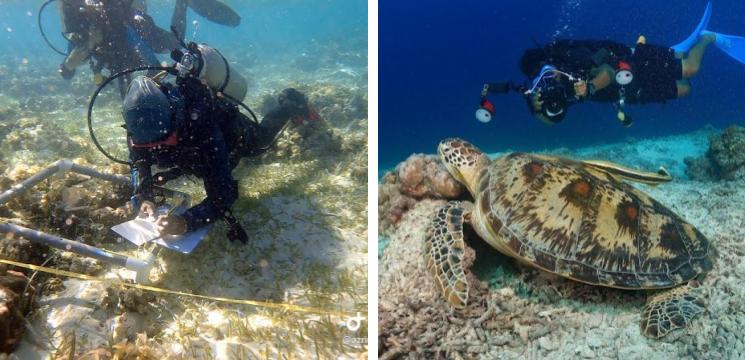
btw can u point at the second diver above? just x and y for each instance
(567, 72)
(117, 35)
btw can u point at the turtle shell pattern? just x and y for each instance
(581, 223)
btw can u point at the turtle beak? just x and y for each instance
(450, 157)
(463, 160)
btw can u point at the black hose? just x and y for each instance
(236, 101)
(93, 101)
(41, 29)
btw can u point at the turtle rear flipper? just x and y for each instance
(444, 250)
(621, 172)
(670, 310)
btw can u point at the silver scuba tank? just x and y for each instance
(215, 72)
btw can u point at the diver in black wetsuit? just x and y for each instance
(187, 128)
(119, 34)
(568, 72)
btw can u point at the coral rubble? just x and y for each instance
(15, 296)
(725, 159)
(420, 176)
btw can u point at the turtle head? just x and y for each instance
(463, 160)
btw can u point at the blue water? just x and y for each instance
(268, 29)
(435, 57)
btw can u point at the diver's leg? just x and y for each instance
(268, 130)
(248, 138)
(178, 19)
(293, 105)
(684, 88)
(159, 40)
(239, 133)
(692, 63)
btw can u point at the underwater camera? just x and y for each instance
(554, 95)
(552, 91)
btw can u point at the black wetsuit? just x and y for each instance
(655, 68)
(212, 138)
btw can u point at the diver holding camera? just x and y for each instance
(548, 95)
(568, 72)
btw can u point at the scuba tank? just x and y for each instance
(208, 65)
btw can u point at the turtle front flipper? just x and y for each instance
(621, 172)
(671, 309)
(444, 249)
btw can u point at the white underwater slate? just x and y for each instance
(142, 230)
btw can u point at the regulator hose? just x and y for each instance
(41, 28)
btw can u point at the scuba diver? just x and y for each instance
(119, 34)
(567, 72)
(189, 127)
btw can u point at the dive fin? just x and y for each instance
(216, 12)
(734, 46)
(688, 43)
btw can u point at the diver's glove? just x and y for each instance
(296, 104)
(65, 73)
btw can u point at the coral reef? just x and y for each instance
(517, 312)
(15, 297)
(420, 176)
(725, 159)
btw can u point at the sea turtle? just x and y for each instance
(577, 219)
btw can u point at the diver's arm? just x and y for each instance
(79, 53)
(141, 179)
(221, 188)
(75, 31)
(75, 58)
(603, 78)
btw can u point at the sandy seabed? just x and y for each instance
(522, 313)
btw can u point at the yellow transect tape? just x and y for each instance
(271, 305)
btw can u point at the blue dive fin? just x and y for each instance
(688, 43)
(734, 46)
